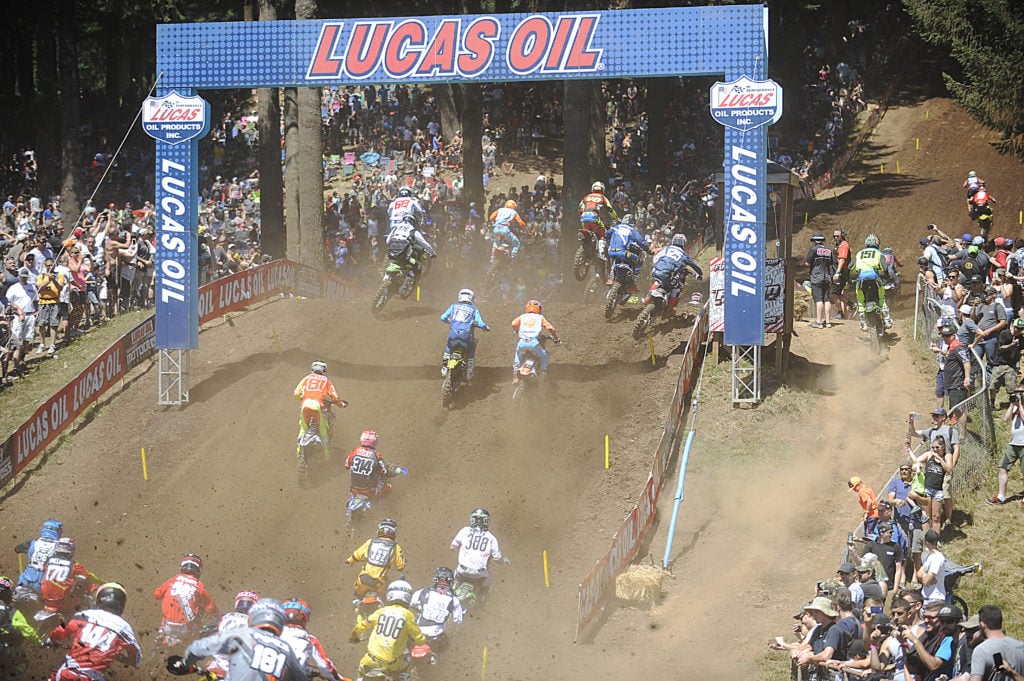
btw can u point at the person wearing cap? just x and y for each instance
(821, 260)
(1005, 364)
(929, 654)
(847, 573)
(1014, 450)
(991, 316)
(990, 622)
(931, 248)
(868, 502)
(939, 428)
(841, 278)
(885, 653)
(22, 297)
(969, 639)
(827, 641)
(873, 589)
(932, 573)
(906, 515)
(889, 553)
(956, 376)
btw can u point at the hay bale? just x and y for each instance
(639, 584)
(801, 303)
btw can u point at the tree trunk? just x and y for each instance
(658, 97)
(291, 172)
(70, 147)
(584, 149)
(472, 115)
(446, 109)
(112, 57)
(311, 174)
(268, 107)
(25, 65)
(46, 114)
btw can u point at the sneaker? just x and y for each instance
(996, 501)
(815, 325)
(863, 326)
(52, 349)
(828, 325)
(41, 348)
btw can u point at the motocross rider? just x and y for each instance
(38, 551)
(624, 240)
(184, 602)
(867, 259)
(669, 263)
(502, 229)
(379, 556)
(368, 472)
(315, 390)
(60, 576)
(13, 626)
(406, 242)
(462, 317)
(504, 216)
(307, 648)
(405, 204)
(435, 607)
(593, 203)
(531, 327)
(477, 546)
(99, 637)
(971, 184)
(393, 630)
(236, 619)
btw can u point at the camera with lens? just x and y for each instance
(884, 629)
(1015, 397)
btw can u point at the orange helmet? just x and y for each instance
(533, 306)
(510, 204)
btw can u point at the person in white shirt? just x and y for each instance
(932, 573)
(22, 296)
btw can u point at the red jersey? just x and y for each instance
(594, 202)
(183, 598)
(98, 638)
(59, 577)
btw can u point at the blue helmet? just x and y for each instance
(52, 529)
(867, 275)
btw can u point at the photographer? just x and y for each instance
(49, 284)
(930, 655)
(1014, 448)
(885, 652)
(1006, 361)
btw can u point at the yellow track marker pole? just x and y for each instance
(881, 168)
(483, 666)
(21, 563)
(917, 144)
(145, 471)
(650, 341)
(417, 294)
(606, 453)
(898, 170)
(547, 581)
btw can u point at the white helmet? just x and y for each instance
(597, 187)
(319, 367)
(399, 591)
(466, 295)
(679, 240)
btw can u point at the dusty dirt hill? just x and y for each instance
(766, 507)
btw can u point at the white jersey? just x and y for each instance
(228, 621)
(433, 609)
(530, 326)
(476, 548)
(403, 206)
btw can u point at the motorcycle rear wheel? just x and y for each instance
(519, 391)
(611, 300)
(303, 467)
(580, 264)
(590, 289)
(643, 321)
(491, 278)
(447, 391)
(380, 299)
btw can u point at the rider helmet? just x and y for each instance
(510, 204)
(245, 600)
(480, 518)
(399, 591)
(533, 306)
(871, 241)
(6, 590)
(405, 191)
(191, 564)
(466, 295)
(65, 548)
(597, 188)
(111, 597)
(679, 240)
(818, 237)
(444, 576)
(297, 612)
(369, 439)
(628, 219)
(387, 528)
(319, 367)
(52, 529)
(268, 615)
(972, 174)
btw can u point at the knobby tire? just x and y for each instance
(580, 264)
(643, 321)
(612, 299)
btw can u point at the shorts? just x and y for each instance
(955, 397)
(819, 292)
(838, 286)
(79, 298)
(1011, 455)
(935, 494)
(1003, 375)
(940, 385)
(23, 330)
(947, 490)
(62, 311)
(48, 315)
(917, 541)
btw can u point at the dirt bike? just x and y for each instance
(527, 376)
(455, 374)
(469, 588)
(876, 326)
(655, 303)
(500, 264)
(366, 606)
(310, 440)
(586, 254)
(983, 216)
(80, 596)
(401, 277)
(360, 502)
(423, 658)
(619, 291)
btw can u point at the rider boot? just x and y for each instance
(887, 317)
(515, 373)
(444, 364)
(602, 249)
(469, 369)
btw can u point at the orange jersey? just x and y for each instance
(316, 387)
(530, 325)
(58, 581)
(183, 598)
(594, 201)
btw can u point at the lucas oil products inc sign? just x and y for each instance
(175, 119)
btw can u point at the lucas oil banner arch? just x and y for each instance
(680, 41)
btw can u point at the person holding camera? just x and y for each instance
(885, 653)
(1014, 448)
(1005, 364)
(929, 655)
(49, 284)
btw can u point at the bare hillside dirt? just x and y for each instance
(766, 507)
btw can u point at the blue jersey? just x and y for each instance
(671, 260)
(462, 317)
(621, 237)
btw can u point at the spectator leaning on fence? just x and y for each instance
(1014, 451)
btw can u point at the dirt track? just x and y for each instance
(223, 483)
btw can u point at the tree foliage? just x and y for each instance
(986, 38)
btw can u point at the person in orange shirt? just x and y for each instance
(184, 604)
(868, 502)
(315, 390)
(532, 328)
